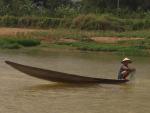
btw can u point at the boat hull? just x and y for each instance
(55, 76)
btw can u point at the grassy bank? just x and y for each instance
(116, 48)
(71, 39)
(15, 42)
(83, 41)
(84, 34)
(82, 22)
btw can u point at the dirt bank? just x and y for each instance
(13, 31)
(113, 39)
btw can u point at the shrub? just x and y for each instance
(140, 24)
(93, 22)
(28, 42)
(8, 21)
(15, 43)
(83, 22)
(40, 22)
(10, 46)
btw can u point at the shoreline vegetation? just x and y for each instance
(117, 26)
(134, 43)
(105, 22)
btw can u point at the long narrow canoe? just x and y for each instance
(59, 76)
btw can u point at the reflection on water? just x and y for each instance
(20, 93)
(58, 86)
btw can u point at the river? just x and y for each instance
(20, 93)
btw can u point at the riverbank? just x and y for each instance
(135, 43)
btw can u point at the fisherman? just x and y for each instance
(124, 69)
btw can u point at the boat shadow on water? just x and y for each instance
(65, 86)
(59, 86)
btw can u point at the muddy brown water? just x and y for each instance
(20, 93)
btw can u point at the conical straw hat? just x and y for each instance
(126, 59)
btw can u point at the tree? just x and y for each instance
(133, 5)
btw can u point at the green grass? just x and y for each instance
(84, 43)
(141, 44)
(59, 33)
(125, 47)
(78, 34)
(138, 33)
(125, 50)
(10, 42)
(103, 22)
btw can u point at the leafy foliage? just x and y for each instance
(52, 7)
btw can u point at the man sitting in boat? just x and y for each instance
(125, 71)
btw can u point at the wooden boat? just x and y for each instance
(59, 76)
